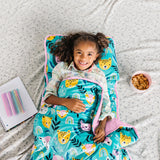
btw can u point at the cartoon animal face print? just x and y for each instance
(124, 140)
(46, 121)
(43, 110)
(89, 148)
(85, 126)
(105, 64)
(45, 141)
(63, 137)
(70, 83)
(90, 98)
(108, 141)
(62, 113)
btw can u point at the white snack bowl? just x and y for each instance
(147, 76)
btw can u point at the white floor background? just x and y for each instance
(134, 26)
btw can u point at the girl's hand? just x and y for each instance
(99, 134)
(74, 105)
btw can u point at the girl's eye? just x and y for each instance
(79, 52)
(89, 54)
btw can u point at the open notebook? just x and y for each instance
(16, 105)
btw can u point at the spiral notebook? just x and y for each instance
(16, 105)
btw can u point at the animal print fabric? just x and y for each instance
(64, 135)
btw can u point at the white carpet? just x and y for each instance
(134, 26)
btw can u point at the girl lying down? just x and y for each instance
(77, 90)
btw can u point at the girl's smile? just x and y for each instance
(85, 53)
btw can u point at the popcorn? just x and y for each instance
(140, 81)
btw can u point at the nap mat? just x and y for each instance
(61, 134)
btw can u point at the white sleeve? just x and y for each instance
(53, 85)
(106, 104)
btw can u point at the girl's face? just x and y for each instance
(85, 53)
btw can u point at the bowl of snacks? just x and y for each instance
(140, 81)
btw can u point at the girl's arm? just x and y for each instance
(100, 130)
(104, 121)
(74, 105)
(51, 97)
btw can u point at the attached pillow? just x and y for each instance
(107, 63)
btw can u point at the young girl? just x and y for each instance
(78, 54)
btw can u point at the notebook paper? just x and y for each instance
(16, 105)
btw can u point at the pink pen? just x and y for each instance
(6, 104)
(11, 103)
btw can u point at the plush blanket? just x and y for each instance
(60, 132)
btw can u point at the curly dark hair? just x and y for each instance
(64, 49)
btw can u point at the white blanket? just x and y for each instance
(134, 26)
